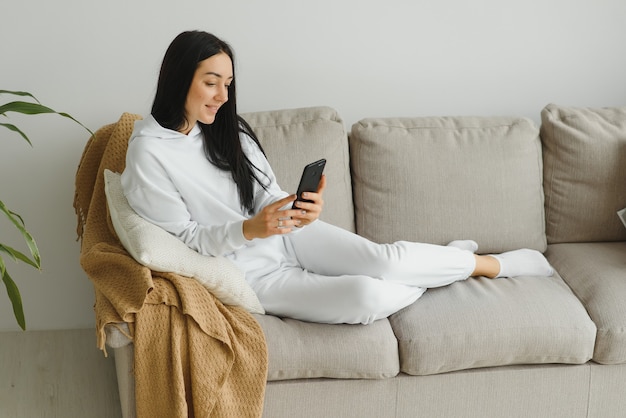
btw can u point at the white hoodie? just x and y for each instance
(169, 181)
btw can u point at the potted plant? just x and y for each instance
(31, 107)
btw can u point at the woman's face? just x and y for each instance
(208, 90)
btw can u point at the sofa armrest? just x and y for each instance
(117, 335)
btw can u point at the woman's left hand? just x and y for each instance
(310, 211)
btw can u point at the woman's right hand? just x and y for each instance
(271, 220)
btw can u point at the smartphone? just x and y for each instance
(311, 176)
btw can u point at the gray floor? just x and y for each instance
(56, 374)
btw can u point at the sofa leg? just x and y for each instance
(125, 379)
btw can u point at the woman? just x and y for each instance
(196, 169)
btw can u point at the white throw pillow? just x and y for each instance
(159, 250)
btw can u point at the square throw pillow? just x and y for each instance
(157, 249)
(584, 153)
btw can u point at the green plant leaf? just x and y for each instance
(19, 93)
(19, 256)
(15, 298)
(18, 222)
(28, 108)
(16, 129)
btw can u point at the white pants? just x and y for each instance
(328, 275)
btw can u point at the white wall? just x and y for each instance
(365, 58)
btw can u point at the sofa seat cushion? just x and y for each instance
(300, 350)
(293, 138)
(484, 322)
(440, 179)
(596, 272)
(585, 173)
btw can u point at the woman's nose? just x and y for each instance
(222, 94)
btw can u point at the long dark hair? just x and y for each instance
(222, 144)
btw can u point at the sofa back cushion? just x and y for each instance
(295, 137)
(585, 173)
(440, 179)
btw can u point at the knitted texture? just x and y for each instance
(193, 356)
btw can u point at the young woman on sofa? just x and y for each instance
(196, 169)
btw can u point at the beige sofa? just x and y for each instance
(523, 347)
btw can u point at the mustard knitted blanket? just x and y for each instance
(194, 356)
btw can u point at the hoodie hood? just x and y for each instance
(149, 127)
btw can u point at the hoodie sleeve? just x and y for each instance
(152, 193)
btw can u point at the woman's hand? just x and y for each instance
(271, 220)
(310, 211)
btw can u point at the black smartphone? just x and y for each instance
(311, 176)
